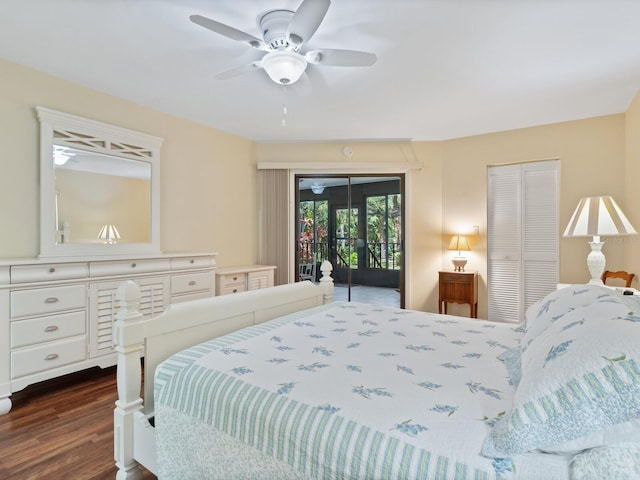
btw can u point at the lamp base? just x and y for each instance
(596, 262)
(459, 263)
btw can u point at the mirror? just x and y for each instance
(99, 188)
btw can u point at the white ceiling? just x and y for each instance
(445, 69)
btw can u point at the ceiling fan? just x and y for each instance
(284, 34)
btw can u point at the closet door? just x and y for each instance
(523, 238)
(504, 239)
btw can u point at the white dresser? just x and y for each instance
(56, 316)
(243, 278)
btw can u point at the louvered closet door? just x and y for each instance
(504, 224)
(155, 298)
(523, 241)
(540, 252)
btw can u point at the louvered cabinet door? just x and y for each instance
(155, 297)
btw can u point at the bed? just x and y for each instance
(282, 383)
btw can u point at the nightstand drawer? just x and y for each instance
(232, 280)
(231, 289)
(46, 329)
(457, 278)
(39, 301)
(47, 356)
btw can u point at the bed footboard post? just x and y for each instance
(326, 281)
(128, 340)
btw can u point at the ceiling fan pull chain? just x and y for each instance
(284, 106)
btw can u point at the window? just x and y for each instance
(312, 239)
(384, 231)
(346, 237)
(523, 237)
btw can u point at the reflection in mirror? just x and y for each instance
(94, 191)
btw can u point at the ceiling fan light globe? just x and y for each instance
(283, 66)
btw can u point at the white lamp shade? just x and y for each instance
(597, 216)
(283, 66)
(109, 233)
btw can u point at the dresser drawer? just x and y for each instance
(47, 356)
(232, 280)
(128, 267)
(43, 273)
(39, 301)
(184, 263)
(46, 329)
(5, 276)
(191, 282)
(187, 297)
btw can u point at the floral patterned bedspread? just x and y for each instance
(350, 391)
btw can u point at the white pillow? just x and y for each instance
(579, 375)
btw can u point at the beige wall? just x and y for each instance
(208, 179)
(632, 175)
(449, 193)
(592, 162)
(424, 187)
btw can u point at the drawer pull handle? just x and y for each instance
(51, 270)
(133, 265)
(235, 290)
(235, 278)
(51, 356)
(51, 300)
(51, 328)
(192, 282)
(191, 261)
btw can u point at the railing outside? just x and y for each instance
(380, 255)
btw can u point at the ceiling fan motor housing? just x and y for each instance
(274, 26)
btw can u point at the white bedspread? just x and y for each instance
(346, 391)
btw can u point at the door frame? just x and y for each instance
(293, 216)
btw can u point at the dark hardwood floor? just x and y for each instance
(61, 429)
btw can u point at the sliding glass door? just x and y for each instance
(355, 222)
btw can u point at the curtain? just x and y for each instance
(274, 222)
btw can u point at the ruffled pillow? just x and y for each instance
(580, 375)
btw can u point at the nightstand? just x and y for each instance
(458, 287)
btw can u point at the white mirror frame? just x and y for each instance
(90, 135)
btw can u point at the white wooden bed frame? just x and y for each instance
(181, 326)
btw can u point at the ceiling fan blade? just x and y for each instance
(239, 70)
(341, 58)
(229, 32)
(306, 21)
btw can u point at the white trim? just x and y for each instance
(343, 167)
(355, 168)
(146, 145)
